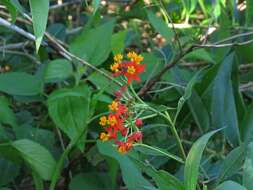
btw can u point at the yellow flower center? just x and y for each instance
(118, 58)
(113, 106)
(135, 57)
(103, 121)
(104, 137)
(131, 70)
(112, 120)
(115, 67)
(122, 149)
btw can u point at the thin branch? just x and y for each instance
(15, 28)
(156, 78)
(247, 86)
(223, 45)
(22, 54)
(56, 45)
(20, 45)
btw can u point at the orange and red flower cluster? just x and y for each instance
(121, 124)
(131, 69)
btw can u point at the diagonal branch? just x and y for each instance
(56, 46)
(180, 56)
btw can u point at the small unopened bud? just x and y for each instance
(138, 122)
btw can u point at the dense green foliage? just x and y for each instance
(194, 98)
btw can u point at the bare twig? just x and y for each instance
(22, 54)
(20, 45)
(156, 78)
(223, 45)
(15, 28)
(247, 86)
(56, 45)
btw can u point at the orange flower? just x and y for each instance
(112, 120)
(132, 71)
(104, 137)
(115, 67)
(114, 106)
(123, 147)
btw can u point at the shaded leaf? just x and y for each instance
(229, 185)
(9, 171)
(131, 175)
(248, 168)
(92, 181)
(58, 69)
(191, 171)
(94, 45)
(69, 109)
(224, 112)
(36, 156)
(118, 42)
(232, 163)
(6, 114)
(19, 83)
(160, 26)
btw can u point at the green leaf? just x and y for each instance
(6, 114)
(166, 181)
(36, 156)
(4, 188)
(160, 26)
(9, 171)
(118, 42)
(232, 163)
(224, 112)
(58, 69)
(200, 54)
(248, 168)
(17, 5)
(38, 182)
(187, 93)
(19, 83)
(193, 99)
(163, 179)
(69, 109)
(94, 45)
(92, 181)
(189, 5)
(247, 125)
(249, 13)
(192, 163)
(11, 8)
(230, 185)
(131, 175)
(39, 11)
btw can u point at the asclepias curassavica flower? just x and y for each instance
(121, 125)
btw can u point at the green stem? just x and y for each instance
(60, 163)
(174, 132)
(167, 117)
(174, 157)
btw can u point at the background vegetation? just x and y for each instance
(55, 83)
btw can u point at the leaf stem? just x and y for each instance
(174, 157)
(60, 163)
(165, 116)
